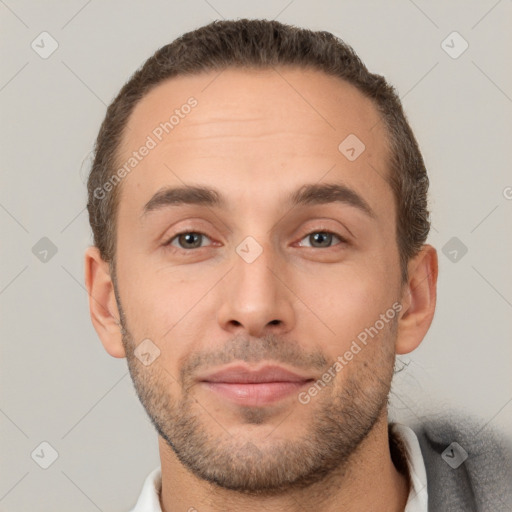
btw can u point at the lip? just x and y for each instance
(245, 375)
(254, 387)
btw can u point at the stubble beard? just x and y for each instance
(337, 425)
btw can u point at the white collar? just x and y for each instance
(149, 499)
(418, 496)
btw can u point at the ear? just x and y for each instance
(418, 300)
(102, 302)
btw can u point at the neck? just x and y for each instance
(369, 481)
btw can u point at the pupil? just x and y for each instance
(322, 238)
(190, 239)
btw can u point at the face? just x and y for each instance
(247, 240)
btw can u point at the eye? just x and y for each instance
(321, 239)
(187, 240)
(194, 240)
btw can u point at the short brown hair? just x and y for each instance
(264, 44)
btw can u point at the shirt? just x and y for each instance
(418, 495)
(149, 499)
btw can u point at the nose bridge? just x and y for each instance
(252, 269)
(254, 298)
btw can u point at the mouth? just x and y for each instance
(255, 387)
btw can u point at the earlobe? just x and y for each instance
(419, 300)
(102, 302)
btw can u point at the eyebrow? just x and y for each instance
(187, 194)
(311, 194)
(326, 193)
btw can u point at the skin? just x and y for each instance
(257, 140)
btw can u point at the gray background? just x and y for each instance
(58, 384)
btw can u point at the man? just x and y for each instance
(259, 210)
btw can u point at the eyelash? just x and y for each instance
(323, 231)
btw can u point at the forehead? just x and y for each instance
(269, 130)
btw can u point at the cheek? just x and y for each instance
(346, 302)
(169, 306)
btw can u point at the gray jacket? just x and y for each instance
(474, 475)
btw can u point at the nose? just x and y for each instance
(256, 297)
